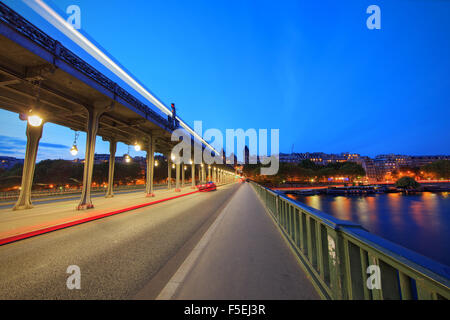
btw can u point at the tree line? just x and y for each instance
(307, 171)
(65, 172)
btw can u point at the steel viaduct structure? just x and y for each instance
(39, 76)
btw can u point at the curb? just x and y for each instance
(77, 222)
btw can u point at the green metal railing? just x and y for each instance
(337, 253)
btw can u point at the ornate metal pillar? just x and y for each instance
(112, 163)
(34, 134)
(91, 134)
(209, 173)
(183, 172)
(193, 175)
(150, 167)
(203, 173)
(169, 171)
(177, 177)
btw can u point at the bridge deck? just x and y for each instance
(242, 256)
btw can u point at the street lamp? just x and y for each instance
(156, 163)
(34, 119)
(137, 146)
(126, 156)
(74, 149)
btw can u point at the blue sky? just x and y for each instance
(309, 68)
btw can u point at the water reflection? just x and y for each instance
(419, 222)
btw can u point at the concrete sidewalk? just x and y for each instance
(241, 257)
(49, 215)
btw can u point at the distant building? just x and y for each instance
(318, 157)
(7, 163)
(101, 158)
(231, 159)
(291, 157)
(246, 155)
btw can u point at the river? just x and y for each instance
(419, 222)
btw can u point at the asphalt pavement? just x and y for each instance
(244, 258)
(118, 256)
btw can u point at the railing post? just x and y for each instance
(277, 215)
(319, 250)
(377, 294)
(336, 264)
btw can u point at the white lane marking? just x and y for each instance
(178, 278)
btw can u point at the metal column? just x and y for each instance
(112, 162)
(34, 134)
(91, 134)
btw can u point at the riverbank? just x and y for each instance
(364, 190)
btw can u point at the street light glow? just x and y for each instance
(74, 150)
(34, 120)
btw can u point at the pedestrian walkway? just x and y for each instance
(241, 256)
(63, 213)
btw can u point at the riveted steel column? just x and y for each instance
(91, 134)
(203, 173)
(193, 175)
(169, 171)
(177, 177)
(150, 168)
(34, 134)
(183, 172)
(112, 162)
(209, 173)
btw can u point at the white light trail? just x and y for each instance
(46, 12)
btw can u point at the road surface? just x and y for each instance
(117, 255)
(245, 258)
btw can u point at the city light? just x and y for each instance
(34, 120)
(173, 166)
(137, 146)
(74, 150)
(156, 163)
(127, 158)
